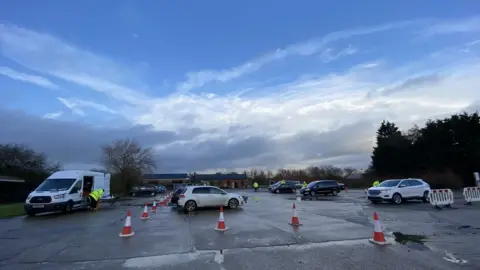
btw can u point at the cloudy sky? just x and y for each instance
(221, 85)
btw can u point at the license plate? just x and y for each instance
(38, 206)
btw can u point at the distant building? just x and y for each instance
(169, 180)
(13, 189)
(174, 180)
(222, 180)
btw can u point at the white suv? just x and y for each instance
(399, 190)
(193, 197)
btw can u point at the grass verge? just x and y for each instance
(11, 210)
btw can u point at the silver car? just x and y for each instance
(193, 197)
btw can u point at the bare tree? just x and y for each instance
(127, 160)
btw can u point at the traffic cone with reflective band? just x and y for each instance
(145, 213)
(378, 237)
(295, 221)
(127, 229)
(221, 223)
(154, 206)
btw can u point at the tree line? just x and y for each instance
(126, 160)
(445, 152)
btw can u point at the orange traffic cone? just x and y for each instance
(154, 206)
(127, 229)
(221, 223)
(378, 237)
(295, 221)
(145, 213)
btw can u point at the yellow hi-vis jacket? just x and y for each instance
(282, 182)
(96, 194)
(376, 183)
(255, 185)
(304, 184)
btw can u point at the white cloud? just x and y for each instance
(38, 80)
(317, 118)
(77, 106)
(53, 115)
(72, 106)
(468, 25)
(307, 48)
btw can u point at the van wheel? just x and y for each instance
(68, 208)
(277, 191)
(334, 192)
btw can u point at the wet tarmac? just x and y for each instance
(334, 235)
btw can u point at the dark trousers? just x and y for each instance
(93, 202)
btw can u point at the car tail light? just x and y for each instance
(182, 196)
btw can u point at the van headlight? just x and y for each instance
(59, 196)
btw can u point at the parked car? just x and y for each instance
(161, 189)
(321, 187)
(193, 197)
(399, 190)
(144, 190)
(176, 195)
(288, 187)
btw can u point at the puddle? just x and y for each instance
(412, 241)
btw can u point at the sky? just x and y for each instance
(230, 85)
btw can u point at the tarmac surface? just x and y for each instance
(334, 235)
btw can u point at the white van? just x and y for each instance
(66, 191)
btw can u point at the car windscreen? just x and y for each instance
(56, 184)
(311, 184)
(389, 183)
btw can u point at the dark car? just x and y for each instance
(176, 195)
(321, 187)
(288, 187)
(144, 190)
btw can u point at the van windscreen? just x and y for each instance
(56, 184)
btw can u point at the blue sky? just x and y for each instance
(230, 77)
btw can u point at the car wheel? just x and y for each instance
(397, 198)
(68, 208)
(334, 192)
(312, 193)
(233, 203)
(425, 198)
(133, 194)
(277, 191)
(190, 206)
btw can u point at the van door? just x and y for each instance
(76, 194)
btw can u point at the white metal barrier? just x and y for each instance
(471, 194)
(440, 197)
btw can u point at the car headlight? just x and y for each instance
(59, 196)
(386, 190)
